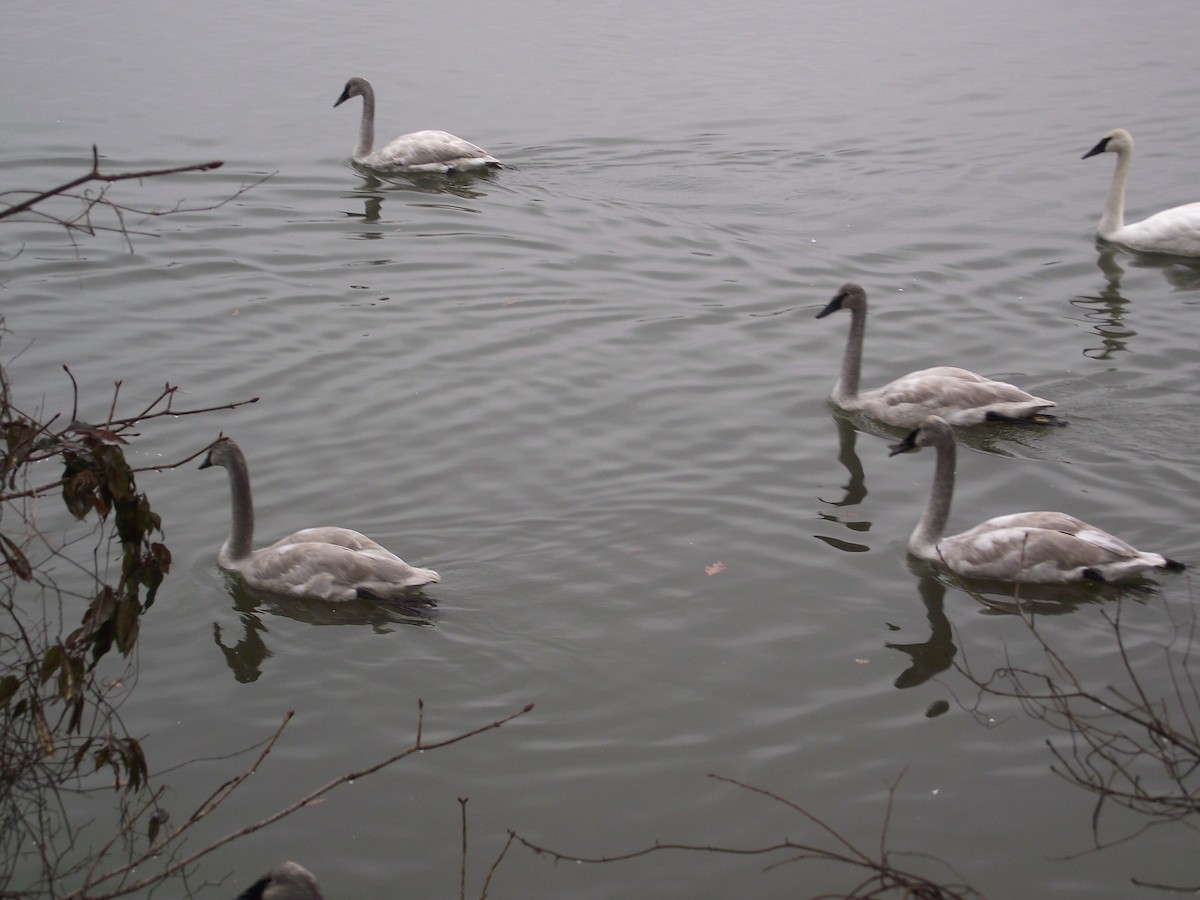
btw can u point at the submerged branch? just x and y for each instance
(883, 875)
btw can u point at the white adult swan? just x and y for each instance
(420, 151)
(958, 395)
(1041, 547)
(1175, 230)
(286, 881)
(319, 563)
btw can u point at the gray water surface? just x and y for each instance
(575, 385)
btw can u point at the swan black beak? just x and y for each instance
(834, 305)
(1099, 148)
(207, 461)
(905, 446)
(342, 99)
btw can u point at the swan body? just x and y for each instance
(959, 396)
(319, 563)
(286, 881)
(1029, 547)
(420, 151)
(1175, 230)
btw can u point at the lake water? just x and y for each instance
(576, 385)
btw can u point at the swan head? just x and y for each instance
(355, 87)
(930, 433)
(1116, 141)
(221, 453)
(849, 296)
(286, 881)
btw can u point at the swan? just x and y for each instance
(420, 151)
(319, 563)
(286, 881)
(1175, 230)
(1042, 547)
(958, 395)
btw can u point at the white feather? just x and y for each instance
(1175, 230)
(320, 563)
(959, 396)
(420, 151)
(1030, 547)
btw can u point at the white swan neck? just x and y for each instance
(1113, 219)
(846, 388)
(932, 526)
(366, 130)
(241, 534)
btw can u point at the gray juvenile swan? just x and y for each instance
(1175, 230)
(286, 881)
(958, 395)
(318, 563)
(420, 151)
(1030, 547)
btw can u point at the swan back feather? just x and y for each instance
(1029, 547)
(286, 881)
(1175, 230)
(326, 563)
(419, 151)
(960, 396)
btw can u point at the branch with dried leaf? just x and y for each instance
(166, 849)
(30, 441)
(70, 593)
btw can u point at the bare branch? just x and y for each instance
(882, 876)
(96, 175)
(225, 790)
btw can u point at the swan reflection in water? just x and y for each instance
(936, 653)
(245, 658)
(376, 190)
(989, 439)
(854, 491)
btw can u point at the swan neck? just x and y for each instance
(932, 526)
(846, 388)
(241, 534)
(366, 131)
(1113, 219)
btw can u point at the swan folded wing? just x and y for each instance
(342, 537)
(1175, 230)
(959, 396)
(1045, 547)
(331, 571)
(429, 151)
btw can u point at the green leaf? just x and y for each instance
(127, 623)
(79, 492)
(52, 661)
(101, 758)
(135, 764)
(15, 559)
(82, 752)
(45, 738)
(9, 685)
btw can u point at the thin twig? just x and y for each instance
(462, 875)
